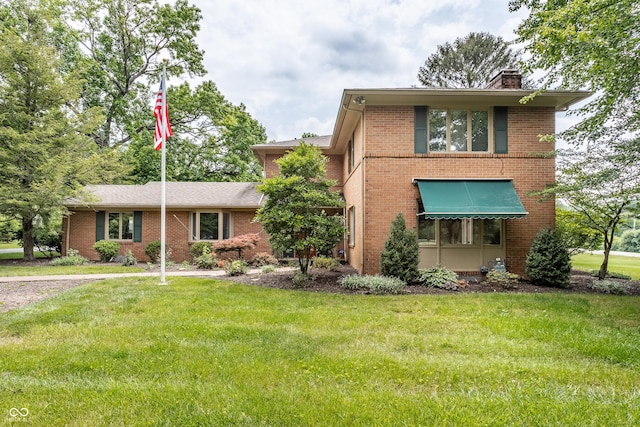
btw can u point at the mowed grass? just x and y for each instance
(205, 352)
(629, 266)
(50, 270)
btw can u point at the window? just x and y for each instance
(458, 130)
(351, 155)
(492, 232)
(459, 231)
(210, 225)
(426, 227)
(352, 225)
(120, 225)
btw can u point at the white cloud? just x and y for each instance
(288, 61)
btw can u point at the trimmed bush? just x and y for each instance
(399, 257)
(235, 267)
(152, 249)
(73, 258)
(198, 249)
(437, 277)
(610, 287)
(262, 258)
(326, 263)
(504, 279)
(206, 260)
(630, 241)
(107, 249)
(269, 268)
(548, 262)
(374, 284)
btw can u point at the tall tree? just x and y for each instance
(45, 152)
(593, 45)
(468, 62)
(294, 213)
(122, 44)
(599, 185)
(211, 142)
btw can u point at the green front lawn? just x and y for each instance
(206, 352)
(50, 270)
(629, 266)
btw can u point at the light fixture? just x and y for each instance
(359, 100)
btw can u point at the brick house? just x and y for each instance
(130, 214)
(457, 163)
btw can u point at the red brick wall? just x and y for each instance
(83, 227)
(390, 166)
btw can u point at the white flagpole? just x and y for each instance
(163, 184)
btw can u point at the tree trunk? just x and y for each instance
(608, 241)
(27, 239)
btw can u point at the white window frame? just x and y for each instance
(470, 112)
(108, 228)
(194, 227)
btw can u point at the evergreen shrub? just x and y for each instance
(548, 262)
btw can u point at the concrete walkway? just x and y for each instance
(181, 273)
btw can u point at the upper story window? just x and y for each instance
(459, 130)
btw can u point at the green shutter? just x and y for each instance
(99, 225)
(420, 129)
(500, 130)
(137, 226)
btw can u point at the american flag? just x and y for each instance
(163, 127)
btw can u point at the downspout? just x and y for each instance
(364, 204)
(66, 248)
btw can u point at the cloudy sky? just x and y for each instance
(288, 61)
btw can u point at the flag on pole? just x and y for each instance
(163, 127)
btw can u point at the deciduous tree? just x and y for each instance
(295, 211)
(593, 45)
(45, 152)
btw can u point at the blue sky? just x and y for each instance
(288, 61)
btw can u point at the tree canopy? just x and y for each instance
(211, 140)
(44, 145)
(593, 45)
(119, 47)
(468, 62)
(295, 211)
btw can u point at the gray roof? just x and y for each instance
(178, 195)
(319, 141)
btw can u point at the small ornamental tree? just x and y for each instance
(295, 211)
(548, 262)
(400, 255)
(237, 244)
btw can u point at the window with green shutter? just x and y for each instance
(420, 129)
(500, 130)
(100, 215)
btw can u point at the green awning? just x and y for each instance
(479, 199)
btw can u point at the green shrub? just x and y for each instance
(198, 248)
(300, 279)
(548, 262)
(236, 267)
(129, 259)
(152, 249)
(611, 275)
(268, 268)
(73, 258)
(399, 258)
(326, 263)
(630, 241)
(504, 279)
(107, 249)
(262, 258)
(438, 277)
(610, 287)
(374, 284)
(206, 260)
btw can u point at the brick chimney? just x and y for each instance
(506, 79)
